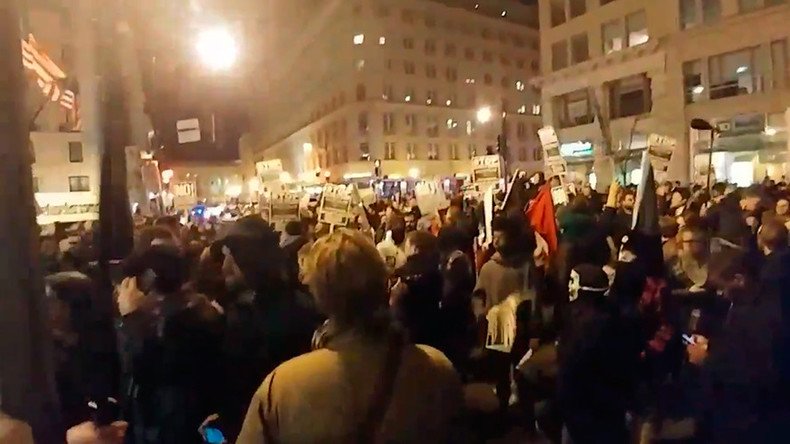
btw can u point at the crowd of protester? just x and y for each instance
(582, 323)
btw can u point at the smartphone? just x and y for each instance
(213, 435)
(688, 340)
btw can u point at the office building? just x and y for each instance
(652, 66)
(345, 84)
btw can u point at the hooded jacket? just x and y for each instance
(500, 277)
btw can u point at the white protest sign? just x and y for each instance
(430, 197)
(660, 149)
(486, 170)
(335, 207)
(281, 208)
(555, 163)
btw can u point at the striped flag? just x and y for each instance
(48, 74)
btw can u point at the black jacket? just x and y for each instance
(418, 310)
(725, 220)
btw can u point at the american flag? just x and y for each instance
(48, 74)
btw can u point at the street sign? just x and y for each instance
(188, 130)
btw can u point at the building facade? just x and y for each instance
(615, 71)
(346, 84)
(64, 144)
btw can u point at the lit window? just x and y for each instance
(382, 40)
(520, 85)
(636, 28)
(504, 14)
(522, 109)
(360, 64)
(359, 39)
(536, 110)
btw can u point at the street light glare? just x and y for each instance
(484, 114)
(217, 48)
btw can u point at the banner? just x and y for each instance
(335, 207)
(660, 149)
(430, 197)
(555, 163)
(486, 170)
(184, 189)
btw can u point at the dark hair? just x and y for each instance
(294, 228)
(668, 226)
(451, 239)
(627, 192)
(507, 225)
(752, 191)
(398, 228)
(718, 189)
(423, 242)
(148, 234)
(165, 261)
(773, 234)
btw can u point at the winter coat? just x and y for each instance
(418, 309)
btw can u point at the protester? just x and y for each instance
(369, 384)
(689, 270)
(391, 248)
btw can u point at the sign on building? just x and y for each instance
(188, 130)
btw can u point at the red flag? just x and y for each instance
(540, 214)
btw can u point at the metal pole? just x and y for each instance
(27, 386)
(710, 158)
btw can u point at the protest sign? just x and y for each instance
(269, 170)
(660, 149)
(486, 170)
(555, 163)
(430, 197)
(335, 206)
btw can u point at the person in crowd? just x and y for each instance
(618, 213)
(781, 211)
(595, 202)
(669, 232)
(155, 235)
(417, 293)
(595, 369)
(172, 342)
(737, 368)
(368, 384)
(291, 241)
(268, 320)
(733, 219)
(392, 247)
(689, 270)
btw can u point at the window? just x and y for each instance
(559, 55)
(79, 184)
(537, 153)
(748, 5)
(451, 99)
(407, 15)
(411, 151)
(577, 7)
(452, 74)
(522, 109)
(389, 150)
(430, 71)
(430, 47)
(361, 92)
(430, 97)
(733, 74)
(779, 63)
(452, 127)
(409, 95)
(360, 64)
(580, 51)
(711, 10)
(432, 126)
(472, 150)
(557, 12)
(430, 21)
(75, 152)
(359, 39)
(433, 151)
(362, 121)
(487, 56)
(535, 66)
(411, 123)
(505, 82)
(520, 85)
(636, 28)
(450, 50)
(521, 131)
(454, 154)
(630, 96)
(364, 151)
(574, 109)
(388, 121)
(688, 14)
(520, 63)
(387, 93)
(470, 127)
(536, 109)
(692, 81)
(409, 67)
(382, 40)
(408, 43)
(504, 60)
(612, 36)
(487, 79)
(469, 54)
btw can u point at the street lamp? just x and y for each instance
(217, 48)
(484, 114)
(704, 125)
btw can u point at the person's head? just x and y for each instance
(161, 269)
(693, 241)
(410, 219)
(732, 273)
(587, 280)
(628, 200)
(554, 181)
(506, 233)
(398, 228)
(294, 228)
(668, 226)
(454, 214)
(422, 243)
(579, 204)
(347, 277)
(782, 206)
(452, 239)
(678, 199)
(772, 237)
(750, 199)
(155, 235)
(718, 191)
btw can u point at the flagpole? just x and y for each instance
(27, 387)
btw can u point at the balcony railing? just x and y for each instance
(743, 85)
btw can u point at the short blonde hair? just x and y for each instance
(347, 276)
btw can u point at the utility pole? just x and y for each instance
(26, 369)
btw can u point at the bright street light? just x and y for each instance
(217, 49)
(484, 114)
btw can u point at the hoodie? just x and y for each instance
(500, 277)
